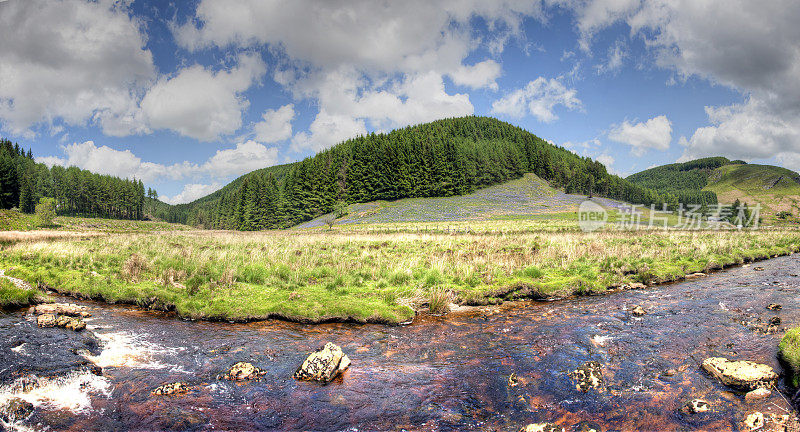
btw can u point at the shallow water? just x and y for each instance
(438, 374)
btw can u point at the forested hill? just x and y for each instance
(692, 175)
(442, 158)
(23, 182)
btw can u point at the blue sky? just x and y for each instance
(189, 95)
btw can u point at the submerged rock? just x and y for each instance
(696, 406)
(15, 409)
(68, 309)
(754, 421)
(774, 307)
(740, 374)
(757, 395)
(589, 376)
(171, 389)
(324, 364)
(242, 371)
(542, 427)
(638, 311)
(69, 323)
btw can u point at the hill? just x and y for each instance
(774, 188)
(444, 158)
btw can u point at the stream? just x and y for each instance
(450, 373)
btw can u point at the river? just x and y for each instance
(450, 373)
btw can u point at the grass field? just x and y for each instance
(371, 273)
(775, 188)
(16, 221)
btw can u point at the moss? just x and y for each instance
(789, 353)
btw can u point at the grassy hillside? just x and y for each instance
(691, 175)
(775, 188)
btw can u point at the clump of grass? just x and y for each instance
(12, 296)
(789, 353)
(439, 300)
(133, 267)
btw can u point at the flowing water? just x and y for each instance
(439, 374)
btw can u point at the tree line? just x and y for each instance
(443, 158)
(77, 192)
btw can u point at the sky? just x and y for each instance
(189, 95)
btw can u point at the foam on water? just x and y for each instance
(601, 340)
(124, 349)
(70, 392)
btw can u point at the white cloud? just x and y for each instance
(655, 133)
(539, 97)
(606, 160)
(245, 157)
(76, 61)
(483, 74)
(276, 125)
(191, 192)
(614, 60)
(200, 103)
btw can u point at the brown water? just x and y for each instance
(439, 374)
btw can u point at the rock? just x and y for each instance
(75, 324)
(586, 426)
(324, 364)
(242, 371)
(171, 389)
(636, 286)
(696, 406)
(741, 374)
(542, 427)
(15, 409)
(46, 320)
(754, 421)
(695, 275)
(758, 268)
(757, 395)
(588, 376)
(669, 373)
(68, 309)
(638, 311)
(774, 307)
(775, 321)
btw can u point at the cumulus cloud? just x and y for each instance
(200, 103)
(539, 98)
(655, 133)
(275, 125)
(614, 59)
(77, 61)
(366, 64)
(191, 192)
(245, 157)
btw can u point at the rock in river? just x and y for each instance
(757, 395)
(638, 311)
(754, 421)
(69, 323)
(774, 307)
(542, 427)
(46, 320)
(324, 364)
(68, 309)
(588, 376)
(15, 409)
(242, 371)
(695, 406)
(740, 374)
(171, 389)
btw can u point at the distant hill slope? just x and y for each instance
(775, 188)
(522, 198)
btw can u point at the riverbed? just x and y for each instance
(496, 368)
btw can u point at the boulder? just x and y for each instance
(636, 286)
(171, 389)
(638, 311)
(68, 309)
(242, 371)
(774, 321)
(757, 395)
(324, 364)
(589, 376)
(740, 374)
(46, 320)
(774, 307)
(754, 421)
(542, 427)
(15, 409)
(758, 268)
(696, 406)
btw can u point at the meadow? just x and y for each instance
(372, 273)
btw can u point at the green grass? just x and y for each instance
(12, 297)
(16, 221)
(368, 276)
(789, 352)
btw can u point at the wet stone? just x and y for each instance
(754, 421)
(171, 389)
(775, 321)
(242, 371)
(589, 376)
(758, 268)
(15, 409)
(696, 406)
(757, 395)
(68, 309)
(46, 320)
(638, 311)
(774, 307)
(542, 427)
(741, 374)
(324, 364)
(587, 426)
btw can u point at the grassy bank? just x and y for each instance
(367, 276)
(13, 297)
(789, 352)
